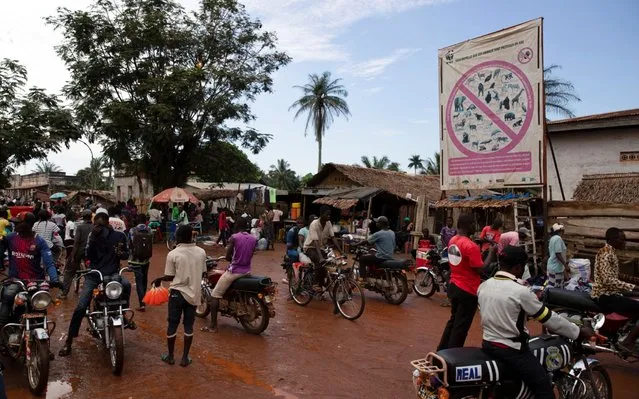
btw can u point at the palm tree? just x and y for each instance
(415, 162)
(560, 93)
(376, 163)
(323, 100)
(282, 177)
(394, 166)
(432, 165)
(46, 167)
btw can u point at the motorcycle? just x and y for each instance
(394, 279)
(105, 317)
(26, 337)
(434, 276)
(249, 300)
(470, 373)
(579, 306)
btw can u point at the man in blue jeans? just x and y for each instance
(105, 249)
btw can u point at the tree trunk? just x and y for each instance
(319, 154)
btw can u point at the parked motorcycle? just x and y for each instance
(470, 373)
(433, 277)
(26, 336)
(394, 279)
(105, 317)
(249, 300)
(579, 306)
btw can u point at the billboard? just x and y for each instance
(492, 111)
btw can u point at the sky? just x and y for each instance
(385, 52)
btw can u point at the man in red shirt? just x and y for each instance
(466, 266)
(223, 227)
(490, 235)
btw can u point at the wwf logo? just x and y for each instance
(449, 55)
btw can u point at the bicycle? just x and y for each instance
(341, 286)
(170, 235)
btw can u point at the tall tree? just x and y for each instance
(560, 93)
(154, 83)
(380, 163)
(323, 99)
(282, 177)
(219, 161)
(415, 162)
(93, 176)
(305, 179)
(32, 122)
(394, 166)
(46, 167)
(433, 165)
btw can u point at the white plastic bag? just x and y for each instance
(579, 268)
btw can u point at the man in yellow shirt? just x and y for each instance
(5, 225)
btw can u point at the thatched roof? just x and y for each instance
(620, 188)
(213, 194)
(396, 183)
(104, 197)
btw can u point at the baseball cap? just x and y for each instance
(101, 210)
(381, 219)
(27, 217)
(524, 231)
(557, 227)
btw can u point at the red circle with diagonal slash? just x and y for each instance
(515, 137)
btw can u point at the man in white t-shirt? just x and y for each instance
(319, 232)
(277, 220)
(115, 221)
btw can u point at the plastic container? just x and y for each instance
(295, 213)
(296, 205)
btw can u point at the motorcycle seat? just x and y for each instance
(557, 297)
(396, 264)
(474, 366)
(251, 283)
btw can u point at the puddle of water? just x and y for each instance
(58, 389)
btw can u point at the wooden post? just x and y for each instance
(368, 214)
(419, 219)
(304, 209)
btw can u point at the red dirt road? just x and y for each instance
(306, 352)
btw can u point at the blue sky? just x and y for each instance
(386, 53)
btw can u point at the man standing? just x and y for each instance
(610, 290)
(490, 235)
(448, 232)
(504, 303)
(141, 252)
(115, 221)
(82, 231)
(319, 232)
(222, 226)
(384, 241)
(557, 261)
(277, 220)
(240, 253)
(185, 267)
(466, 267)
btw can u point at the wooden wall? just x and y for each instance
(586, 224)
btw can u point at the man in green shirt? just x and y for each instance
(557, 260)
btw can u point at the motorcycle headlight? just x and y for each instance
(40, 300)
(113, 290)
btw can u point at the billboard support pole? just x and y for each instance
(542, 110)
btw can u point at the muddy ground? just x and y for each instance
(306, 352)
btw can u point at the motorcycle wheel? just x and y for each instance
(116, 350)
(38, 367)
(397, 298)
(424, 284)
(262, 316)
(601, 383)
(203, 309)
(347, 293)
(300, 291)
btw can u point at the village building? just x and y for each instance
(39, 185)
(603, 145)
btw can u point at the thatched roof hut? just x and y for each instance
(618, 188)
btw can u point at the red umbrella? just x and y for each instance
(175, 194)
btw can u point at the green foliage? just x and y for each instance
(219, 161)
(92, 178)
(323, 99)
(282, 177)
(415, 162)
(32, 122)
(432, 165)
(305, 179)
(153, 83)
(380, 163)
(46, 167)
(560, 93)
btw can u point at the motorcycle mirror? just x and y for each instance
(598, 321)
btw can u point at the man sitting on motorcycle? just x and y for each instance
(384, 241)
(505, 303)
(27, 252)
(240, 253)
(609, 290)
(105, 249)
(319, 232)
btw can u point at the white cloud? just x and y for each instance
(374, 90)
(308, 29)
(376, 66)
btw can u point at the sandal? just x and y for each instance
(65, 351)
(188, 362)
(209, 330)
(168, 359)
